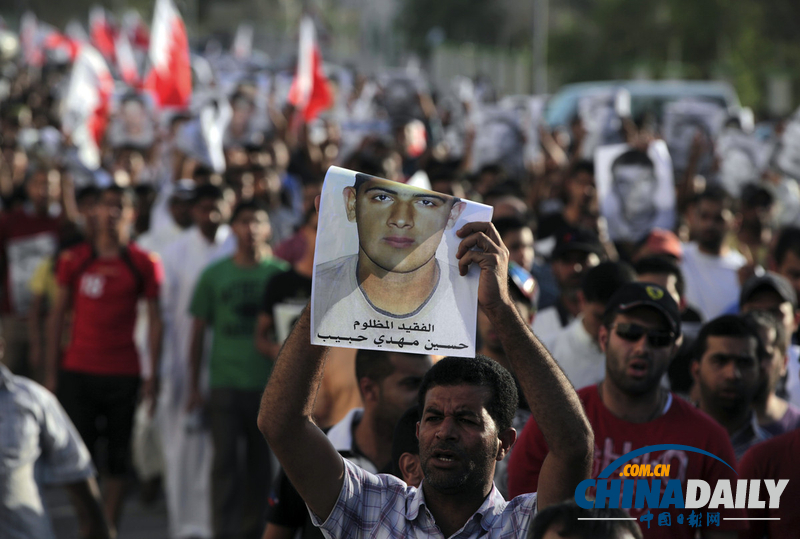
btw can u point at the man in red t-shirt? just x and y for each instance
(775, 459)
(28, 235)
(100, 373)
(629, 409)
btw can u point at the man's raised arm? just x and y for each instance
(554, 404)
(308, 458)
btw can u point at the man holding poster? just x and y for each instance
(399, 289)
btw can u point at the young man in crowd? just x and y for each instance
(710, 267)
(186, 442)
(773, 294)
(576, 348)
(775, 415)
(100, 371)
(465, 427)
(786, 262)
(28, 235)
(389, 384)
(630, 409)
(575, 252)
(226, 301)
(776, 460)
(726, 369)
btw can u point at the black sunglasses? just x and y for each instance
(656, 338)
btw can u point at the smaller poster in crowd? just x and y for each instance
(686, 119)
(635, 189)
(385, 269)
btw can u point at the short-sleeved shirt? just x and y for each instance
(775, 459)
(35, 432)
(227, 297)
(25, 239)
(382, 505)
(105, 292)
(682, 424)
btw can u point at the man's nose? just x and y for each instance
(447, 429)
(402, 215)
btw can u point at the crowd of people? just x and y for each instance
(143, 295)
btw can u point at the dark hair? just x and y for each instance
(128, 195)
(633, 157)
(756, 196)
(716, 194)
(729, 325)
(478, 371)
(208, 190)
(788, 240)
(373, 364)
(582, 166)
(662, 265)
(90, 191)
(404, 439)
(566, 515)
(247, 205)
(601, 281)
(770, 320)
(504, 225)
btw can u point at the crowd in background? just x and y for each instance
(154, 278)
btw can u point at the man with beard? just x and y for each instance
(710, 267)
(726, 371)
(630, 409)
(389, 383)
(465, 427)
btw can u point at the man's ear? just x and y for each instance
(602, 337)
(507, 439)
(350, 203)
(410, 469)
(370, 392)
(694, 369)
(455, 213)
(581, 299)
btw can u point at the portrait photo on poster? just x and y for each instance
(385, 268)
(635, 189)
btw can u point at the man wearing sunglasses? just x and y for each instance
(629, 409)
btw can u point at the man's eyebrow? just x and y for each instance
(384, 189)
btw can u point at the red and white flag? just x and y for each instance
(102, 32)
(170, 78)
(310, 92)
(126, 61)
(137, 31)
(85, 107)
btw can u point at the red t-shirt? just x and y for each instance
(25, 239)
(105, 292)
(778, 458)
(613, 437)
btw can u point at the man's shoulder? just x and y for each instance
(274, 265)
(774, 451)
(143, 256)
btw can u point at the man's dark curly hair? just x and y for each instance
(478, 371)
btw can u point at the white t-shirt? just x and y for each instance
(340, 304)
(547, 326)
(579, 355)
(712, 282)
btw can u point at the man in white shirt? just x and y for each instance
(186, 443)
(710, 267)
(577, 349)
(575, 252)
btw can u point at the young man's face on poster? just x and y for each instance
(399, 227)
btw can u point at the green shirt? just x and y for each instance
(227, 297)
